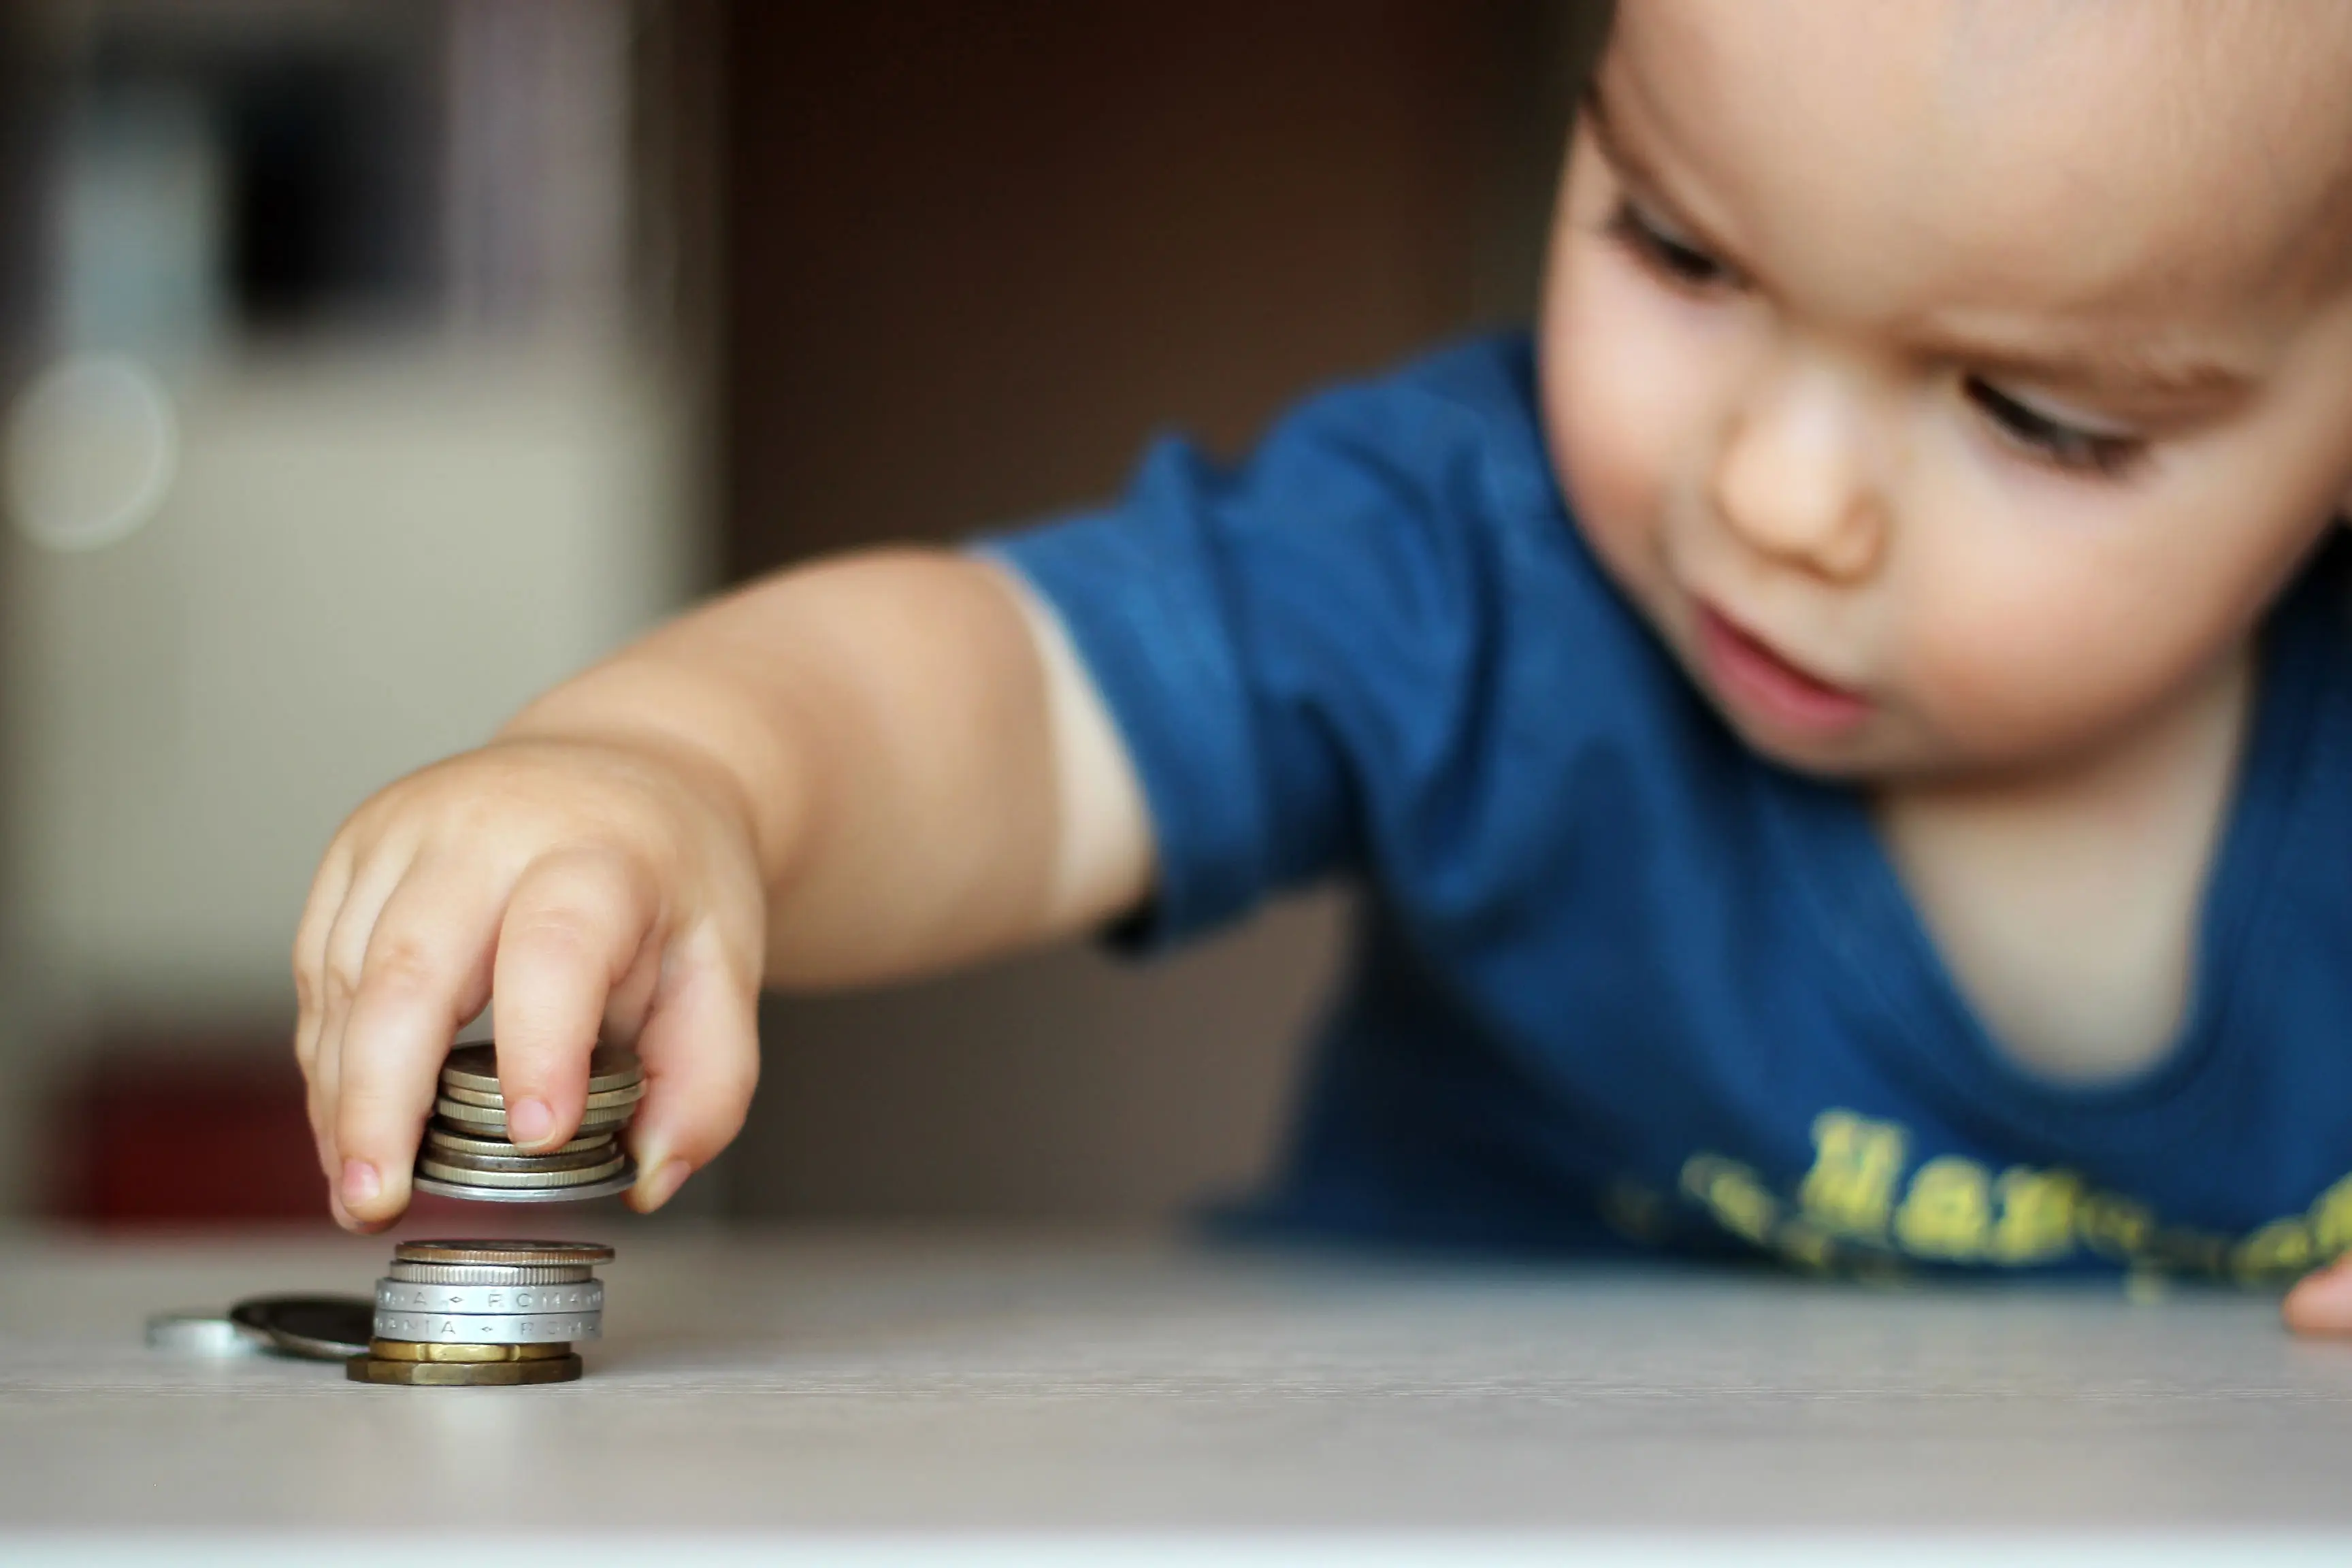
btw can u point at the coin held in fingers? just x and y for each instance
(476, 1067)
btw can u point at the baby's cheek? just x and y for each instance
(1611, 451)
(2003, 675)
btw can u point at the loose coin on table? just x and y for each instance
(319, 1328)
(199, 1333)
(462, 1374)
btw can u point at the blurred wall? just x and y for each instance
(380, 301)
(976, 255)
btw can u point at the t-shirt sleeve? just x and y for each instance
(1280, 639)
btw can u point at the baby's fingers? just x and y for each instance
(426, 972)
(328, 890)
(576, 926)
(349, 927)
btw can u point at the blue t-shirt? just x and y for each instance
(1617, 980)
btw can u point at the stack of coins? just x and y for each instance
(466, 1152)
(483, 1314)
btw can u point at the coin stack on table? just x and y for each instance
(466, 1152)
(478, 1313)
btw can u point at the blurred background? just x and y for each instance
(367, 365)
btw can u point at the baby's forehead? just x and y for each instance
(2139, 155)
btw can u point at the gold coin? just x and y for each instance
(461, 1373)
(427, 1350)
(521, 1254)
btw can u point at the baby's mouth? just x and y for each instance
(1754, 679)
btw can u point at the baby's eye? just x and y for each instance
(2051, 440)
(1663, 252)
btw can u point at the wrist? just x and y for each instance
(724, 759)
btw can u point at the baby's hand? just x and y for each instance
(2321, 1302)
(595, 888)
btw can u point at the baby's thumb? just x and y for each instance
(2321, 1303)
(701, 1050)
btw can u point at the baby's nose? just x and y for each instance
(1791, 481)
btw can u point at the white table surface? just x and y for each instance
(773, 1397)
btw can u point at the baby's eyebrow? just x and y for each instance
(2145, 368)
(1638, 173)
(2051, 356)
(1593, 111)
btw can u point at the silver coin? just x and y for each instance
(209, 1334)
(477, 1067)
(439, 1137)
(516, 1163)
(534, 1181)
(473, 1119)
(488, 1328)
(491, 1099)
(318, 1327)
(506, 1274)
(618, 1184)
(484, 1252)
(403, 1296)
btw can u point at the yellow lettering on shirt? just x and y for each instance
(1850, 1191)
(2114, 1226)
(1947, 1212)
(2280, 1247)
(2037, 1215)
(1853, 1211)
(1806, 1247)
(2331, 1221)
(1733, 1194)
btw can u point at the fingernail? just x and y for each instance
(529, 1122)
(361, 1183)
(662, 1185)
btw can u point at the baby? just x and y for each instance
(1845, 736)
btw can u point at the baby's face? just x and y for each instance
(1953, 383)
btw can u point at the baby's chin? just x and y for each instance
(1864, 758)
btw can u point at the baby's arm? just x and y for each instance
(868, 768)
